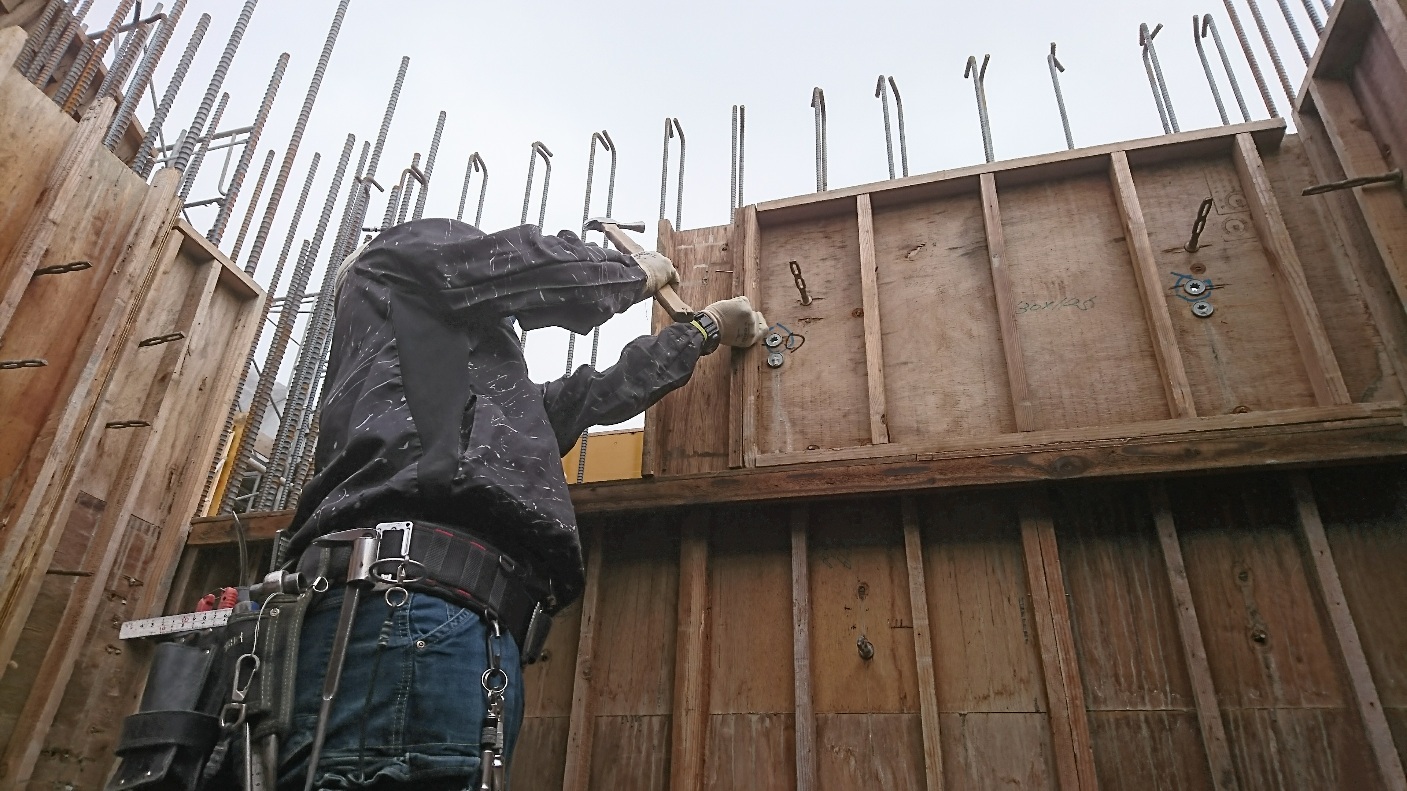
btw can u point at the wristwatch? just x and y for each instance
(705, 324)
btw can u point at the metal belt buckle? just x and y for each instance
(536, 638)
(397, 569)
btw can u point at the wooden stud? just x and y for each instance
(742, 398)
(923, 648)
(806, 779)
(1194, 651)
(874, 342)
(649, 454)
(689, 732)
(1310, 335)
(1345, 635)
(1145, 268)
(1006, 308)
(11, 44)
(582, 723)
(69, 176)
(1069, 723)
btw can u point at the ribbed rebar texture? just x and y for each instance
(386, 119)
(408, 182)
(142, 163)
(393, 203)
(1150, 52)
(596, 333)
(476, 164)
(430, 166)
(903, 135)
(1250, 58)
(1056, 67)
(538, 149)
(251, 145)
(278, 468)
(1313, 16)
(672, 129)
(60, 39)
(142, 78)
(1271, 49)
(37, 35)
(881, 92)
(1209, 25)
(979, 87)
(132, 47)
(818, 107)
(253, 206)
(1197, 35)
(217, 81)
(1294, 27)
(76, 85)
(198, 161)
(243, 451)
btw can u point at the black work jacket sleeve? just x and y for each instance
(540, 280)
(649, 368)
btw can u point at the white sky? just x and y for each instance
(514, 72)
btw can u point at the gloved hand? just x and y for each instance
(738, 324)
(659, 271)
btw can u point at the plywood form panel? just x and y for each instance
(633, 672)
(818, 399)
(750, 617)
(984, 750)
(944, 370)
(1292, 749)
(1244, 355)
(859, 587)
(751, 751)
(1087, 352)
(540, 754)
(630, 753)
(1380, 83)
(1148, 751)
(548, 682)
(32, 135)
(871, 751)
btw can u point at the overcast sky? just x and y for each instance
(514, 72)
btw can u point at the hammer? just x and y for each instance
(615, 231)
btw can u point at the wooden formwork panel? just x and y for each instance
(1175, 634)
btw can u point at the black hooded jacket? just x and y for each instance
(428, 412)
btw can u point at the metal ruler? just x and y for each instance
(171, 624)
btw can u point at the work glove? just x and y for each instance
(738, 324)
(659, 271)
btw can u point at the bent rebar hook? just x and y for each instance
(671, 129)
(818, 103)
(979, 86)
(476, 164)
(1200, 28)
(1250, 58)
(735, 197)
(882, 88)
(1056, 68)
(1156, 82)
(538, 150)
(410, 177)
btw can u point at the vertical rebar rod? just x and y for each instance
(1294, 27)
(903, 135)
(126, 59)
(1250, 54)
(538, 150)
(198, 161)
(263, 389)
(818, 107)
(672, 129)
(881, 92)
(430, 166)
(1199, 32)
(278, 467)
(1313, 16)
(142, 163)
(604, 139)
(393, 202)
(217, 81)
(246, 157)
(733, 167)
(37, 35)
(253, 206)
(1209, 26)
(412, 176)
(79, 77)
(1272, 50)
(1328, 6)
(1056, 69)
(979, 87)
(1155, 76)
(53, 53)
(596, 333)
(742, 153)
(142, 78)
(476, 164)
(386, 122)
(679, 190)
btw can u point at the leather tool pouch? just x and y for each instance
(270, 699)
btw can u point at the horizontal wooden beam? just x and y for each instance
(1352, 433)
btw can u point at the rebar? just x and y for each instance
(818, 106)
(198, 161)
(604, 138)
(1056, 69)
(409, 179)
(1156, 82)
(979, 86)
(386, 121)
(476, 165)
(1199, 32)
(80, 75)
(610, 145)
(1294, 27)
(1209, 26)
(126, 59)
(735, 196)
(279, 458)
(37, 35)
(142, 163)
(1314, 15)
(538, 150)
(430, 166)
(1271, 50)
(253, 206)
(1250, 58)
(217, 81)
(251, 145)
(142, 78)
(672, 129)
(52, 54)
(393, 202)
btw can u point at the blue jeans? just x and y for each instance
(408, 714)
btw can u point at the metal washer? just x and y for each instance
(1202, 309)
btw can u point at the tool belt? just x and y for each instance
(430, 558)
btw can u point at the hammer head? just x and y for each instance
(600, 223)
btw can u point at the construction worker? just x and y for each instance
(429, 418)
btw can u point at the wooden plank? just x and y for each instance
(874, 343)
(1074, 757)
(11, 42)
(742, 399)
(691, 658)
(1345, 636)
(1193, 649)
(865, 750)
(581, 727)
(1021, 401)
(1315, 349)
(751, 751)
(67, 179)
(806, 759)
(923, 649)
(1145, 267)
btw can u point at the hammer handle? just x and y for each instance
(667, 297)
